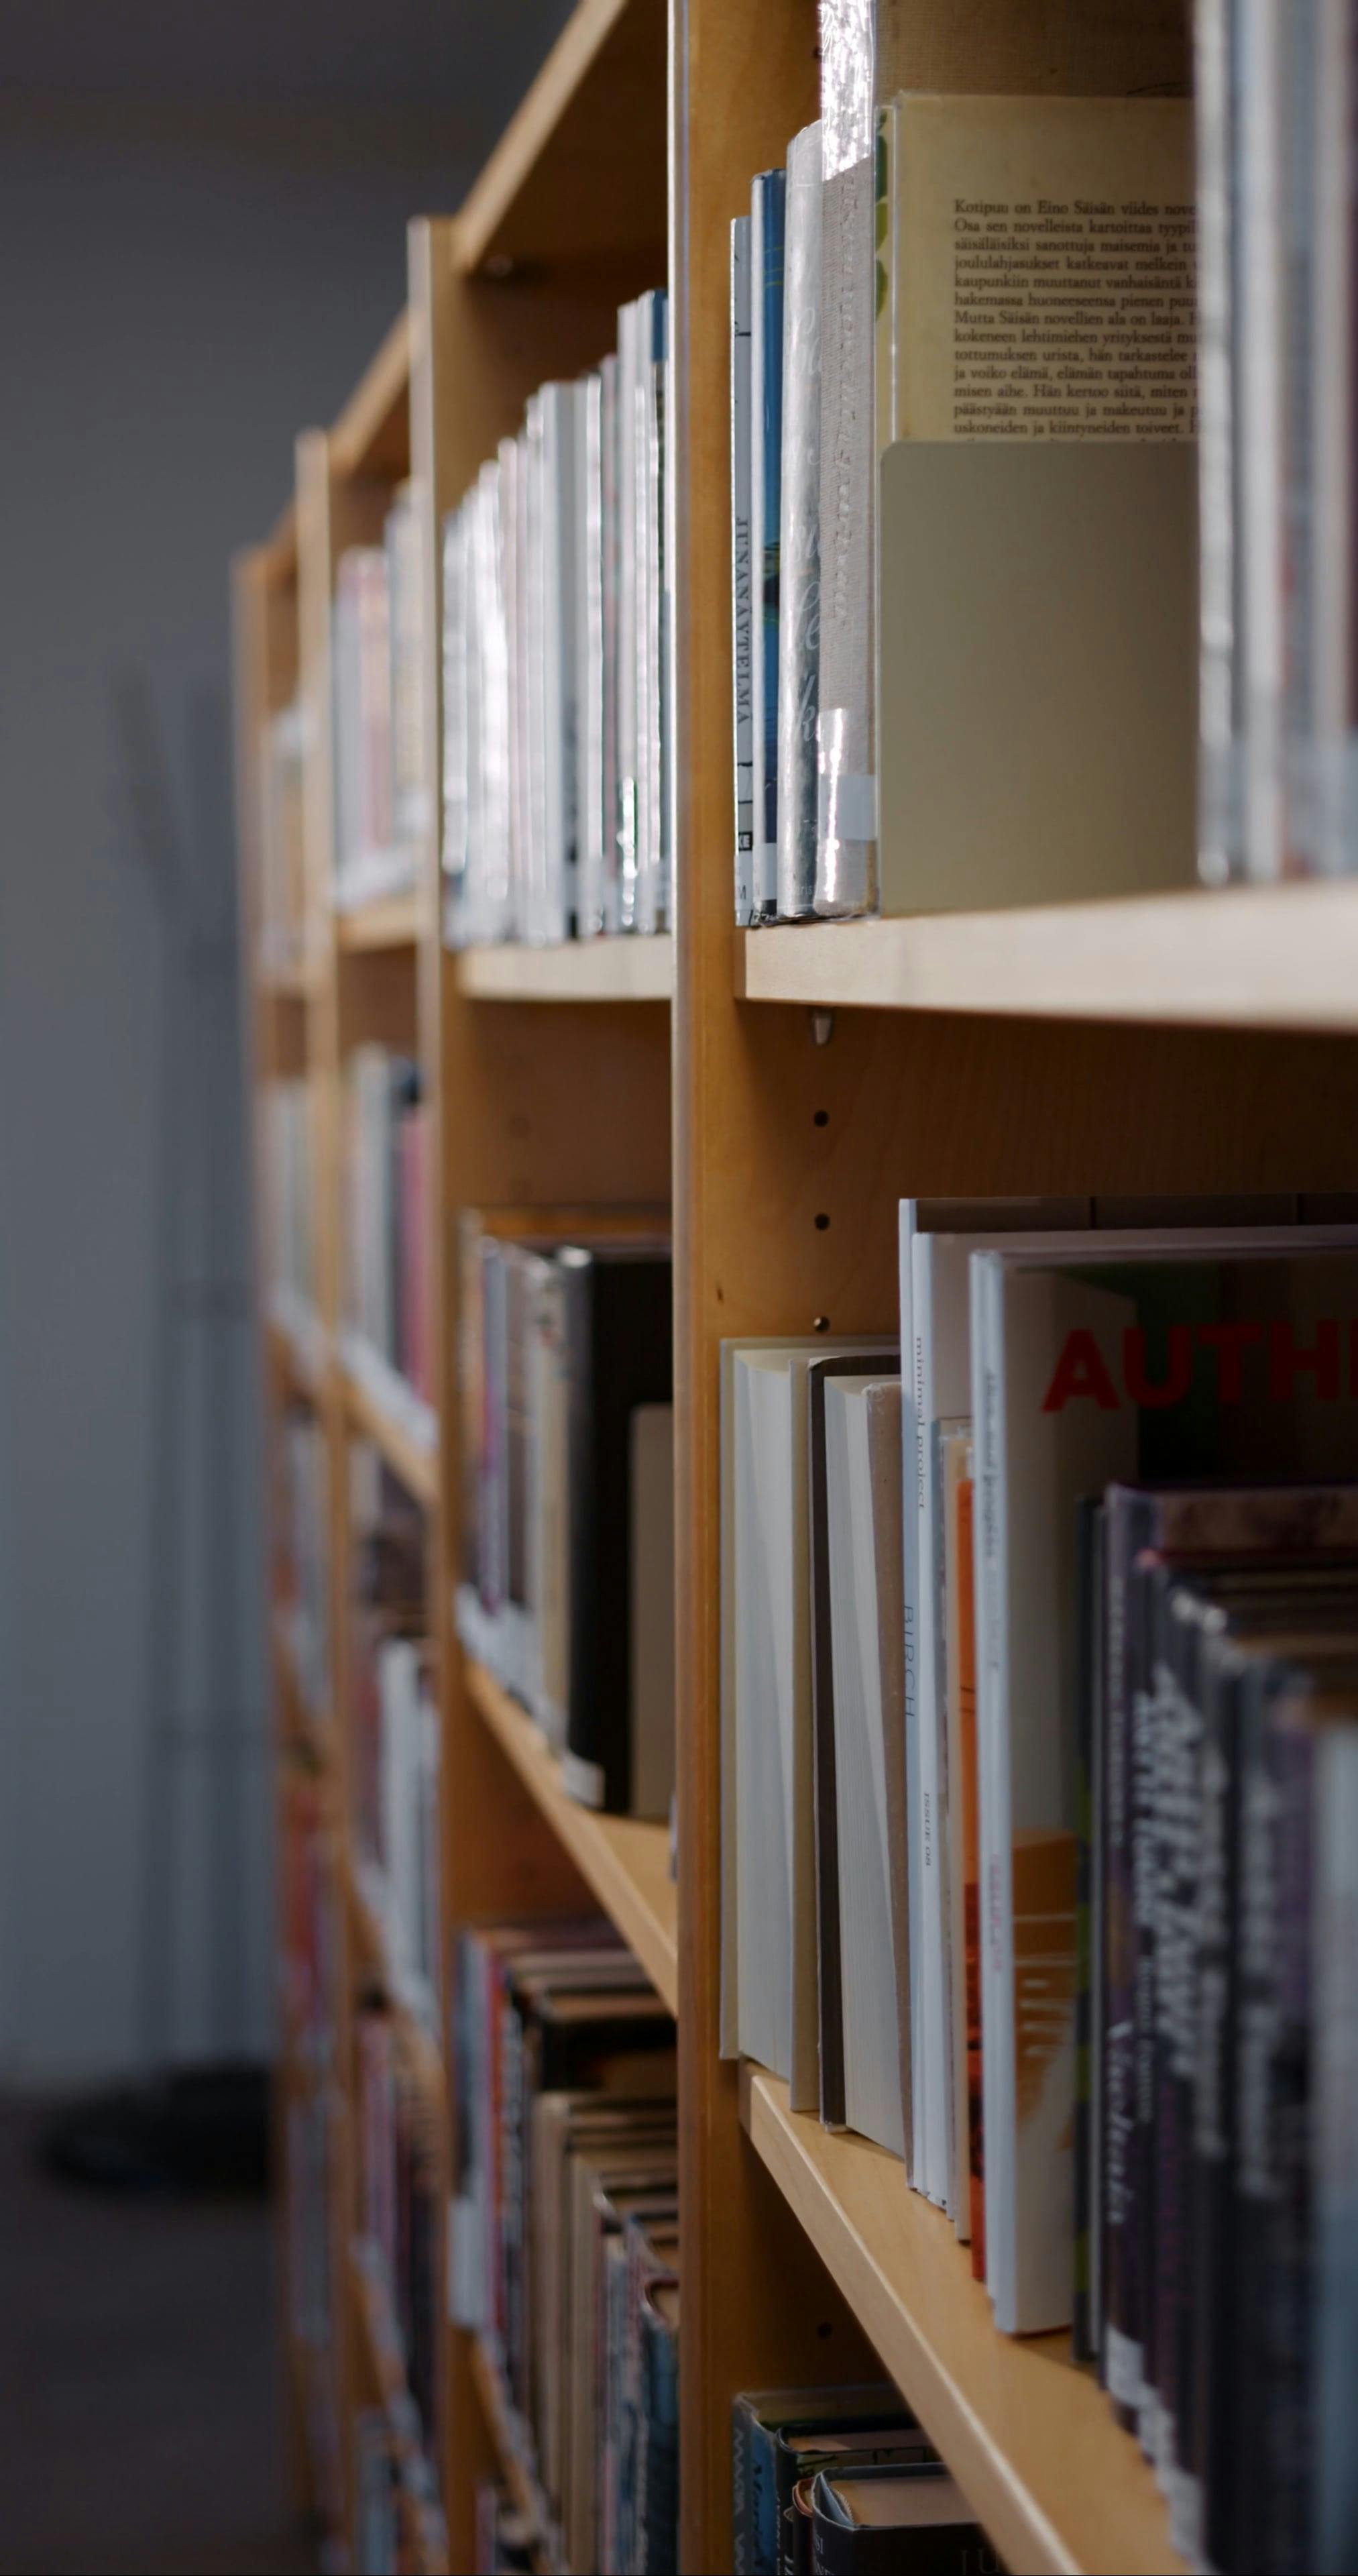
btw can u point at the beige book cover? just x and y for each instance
(1045, 268)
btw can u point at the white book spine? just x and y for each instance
(609, 562)
(454, 835)
(799, 538)
(928, 1846)
(535, 608)
(556, 882)
(992, 1749)
(625, 821)
(511, 601)
(742, 590)
(916, 2143)
(589, 892)
(1260, 446)
(1218, 777)
(767, 199)
(1336, 806)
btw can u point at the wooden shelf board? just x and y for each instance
(625, 1863)
(372, 433)
(524, 2492)
(579, 172)
(416, 1467)
(396, 922)
(1030, 2438)
(580, 970)
(1283, 957)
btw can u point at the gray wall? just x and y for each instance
(182, 285)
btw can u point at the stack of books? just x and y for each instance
(556, 754)
(303, 1557)
(389, 1279)
(311, 1937)
(565, 1374)
(565, 2225)
(398, 2158)
(842, 2482)
(286, 1131)
(314, 2119)
(394, 1735)
(382, 808)
(282, 924)
(1038, 1675)
(398, 2519)
(928, 293)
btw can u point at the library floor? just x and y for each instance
(138, 2390)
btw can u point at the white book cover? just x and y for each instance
(997, 1218)
(767, 204)
(611, 537)
(1058, 1405)
(516, 750)
(742, 591)
(1033, 1466)
(872, 2088)
(769, 1971)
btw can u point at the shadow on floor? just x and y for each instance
(140, 2407)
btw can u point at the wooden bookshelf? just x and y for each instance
(583, 970)
(1030, 2437)
(1258, 957)
(626, 1865)
(1165, 1043)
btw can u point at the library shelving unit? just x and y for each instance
(786, 1088)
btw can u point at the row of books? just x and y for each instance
(842, 2482)
(925, 1725)
(566, 1376)
(310, 1943)
(395, 1768)
(565, 2225)
(398, 2155)
(932, 289)
(314, 2120)
(281, 929)
(1276, 168)
(302, 1552)
(556, 752)
(387, 1175)
(381, 799)
(286, 1145)
(399, 2527)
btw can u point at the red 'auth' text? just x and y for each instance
(1290, 1367)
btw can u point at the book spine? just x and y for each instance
(1127, 1529)
(743, 722)
(928, 1840)
(1218, 685)
(1259, 444)
(966, 1691)
(1334, 662)
(1083, 2338)
(846, 838)
(625, 821)
(1178, 1839)
(1212, 2439)
(996, 1856)
(1258, 1932)
(590, 659)
(910, 1471)
(609, 578)
(583, 1770)
(799, 534)
(1335, 1934)
(767, 211)
(652, 908)
(1147, 1722)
